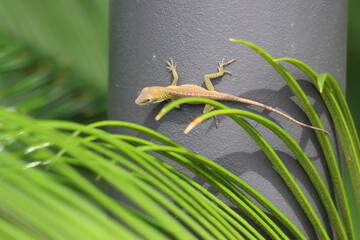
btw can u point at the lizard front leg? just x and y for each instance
(210, 86)
(172, 68)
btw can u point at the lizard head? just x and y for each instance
(150, 95)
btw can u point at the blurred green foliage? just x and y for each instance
(353, 89)
(73, 32)
(62, 46)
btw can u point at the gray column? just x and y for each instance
(144, 34)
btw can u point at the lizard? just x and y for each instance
(157, 94)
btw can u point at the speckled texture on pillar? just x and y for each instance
(144, 34)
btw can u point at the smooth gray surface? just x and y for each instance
(144, 34)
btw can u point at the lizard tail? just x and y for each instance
(251, 102)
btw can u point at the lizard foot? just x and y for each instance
(171, 65)
(222, 64)
(216, 121)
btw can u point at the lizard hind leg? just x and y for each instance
(220, 73)
(210, 86)
(209, 108)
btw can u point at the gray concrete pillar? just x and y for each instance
(144, 34)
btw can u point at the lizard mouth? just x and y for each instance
(139, 102)
(142, 102)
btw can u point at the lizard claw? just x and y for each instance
(230, 62)
(222, 64)
(216, 121)
(228, 72)
(171, 65)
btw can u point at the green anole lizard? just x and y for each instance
(156, 94)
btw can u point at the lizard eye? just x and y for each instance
(149, 100)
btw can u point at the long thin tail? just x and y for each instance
(251, 102)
